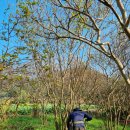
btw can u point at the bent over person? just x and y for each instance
(76, 119)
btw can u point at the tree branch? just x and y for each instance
(122, 9)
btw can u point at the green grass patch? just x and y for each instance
(98, 124)
(23, 122)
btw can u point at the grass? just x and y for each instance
(21, 122)
(98, 124)
(95, 124)
(24, 120)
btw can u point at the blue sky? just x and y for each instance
(4, 4)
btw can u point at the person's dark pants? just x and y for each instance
(76, 128)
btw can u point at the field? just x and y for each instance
(29, 123)
(25, 121)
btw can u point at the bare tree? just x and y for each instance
(91, 22)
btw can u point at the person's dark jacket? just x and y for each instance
(76, 116)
